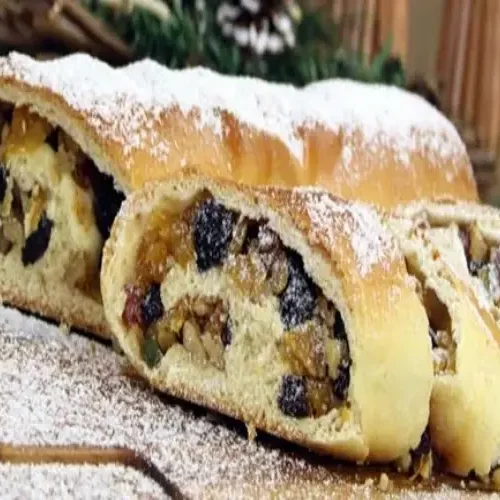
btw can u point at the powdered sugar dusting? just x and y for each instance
(117, 107)
(47, 482)
(370, 241)
(388, 118)
(125, 105)
(66, 390)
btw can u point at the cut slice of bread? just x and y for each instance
(287, 309)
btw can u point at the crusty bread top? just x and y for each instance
(144, 121)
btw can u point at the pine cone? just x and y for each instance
(264, 26)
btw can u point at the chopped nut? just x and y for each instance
(202, 306)
(214, 348)
(177, 316)
(279, 274)
(249, 275)
(191, 340)
(165, 336)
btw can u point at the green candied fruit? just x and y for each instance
(151, 352)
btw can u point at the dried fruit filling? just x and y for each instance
(313, 345)
(56, 208)
(483, 260)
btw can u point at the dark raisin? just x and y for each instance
(107, 202)
(339, 331)
(424, 447)
(298, 300)
(53, 139)
(151, 352)
(340, 385)
(226, 334)
(132, 312)
(152, 307)
(38, 241)
(292, 397)
(4, 176)
(212, 233)
(433, 336)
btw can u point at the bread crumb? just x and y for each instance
(65, 328)
(252, 432)
(495, 479)
(384, 483)
(462, 484)
(369, 481)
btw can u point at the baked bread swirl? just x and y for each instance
(287, 309)
(465, 401)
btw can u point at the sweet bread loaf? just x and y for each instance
(287, 309)
(76, 135)
(365, 142)
(465, 400)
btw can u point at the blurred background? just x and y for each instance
(445, 50)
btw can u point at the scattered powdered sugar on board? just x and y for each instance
(387, 117)
(58, 389)
(46, 482)
(370, 241)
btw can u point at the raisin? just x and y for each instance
(152, 307)
(298, 301)
(107, 202)
(341, 384)
(212, 233)
(433, 336)
(132, 312)
(53, 139)
(424, 446)
(4, 175)
(226, 334)
(292, 397)
(151, 352)
(38, 241)
(339, 331)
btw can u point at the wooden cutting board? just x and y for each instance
(66, 400)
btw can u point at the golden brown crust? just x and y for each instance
(352, 259)
(155, 138)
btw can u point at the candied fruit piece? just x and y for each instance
(212, 233)
(132, 311)
(4, 175)
(340, 385)
(38, 241)
(298, 301)
(151, 353)
(27, 131)
(320, 397)
(152, 307)
(166, 239)
(292, 397)
(249, 275)
(304, 351)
